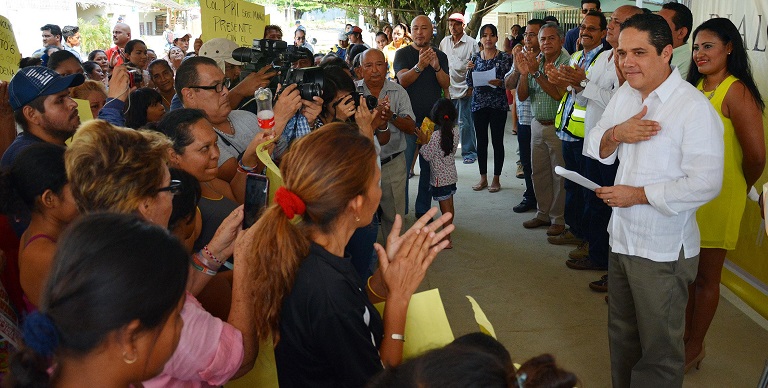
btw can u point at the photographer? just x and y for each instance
(200, 84)
(394, 119)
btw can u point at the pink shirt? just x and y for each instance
(210, 351)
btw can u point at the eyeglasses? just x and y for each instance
(590, 28)
(218, 87)
(174, 188)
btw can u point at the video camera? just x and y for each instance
(309, 80)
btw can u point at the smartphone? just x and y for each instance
(256, 197)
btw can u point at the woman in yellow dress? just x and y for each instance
(400, 38)
(720, 69)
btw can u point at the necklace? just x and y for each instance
(495, 51)
(712, 93)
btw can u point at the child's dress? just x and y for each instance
(443, 167)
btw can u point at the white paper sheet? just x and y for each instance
(481, 78)
(576, 177)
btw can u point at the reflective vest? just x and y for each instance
(574, 122)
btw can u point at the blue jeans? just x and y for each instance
(423, 197)
(574, 193)
(524, 145)
(466, 127)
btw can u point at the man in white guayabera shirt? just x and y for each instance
(669, 142)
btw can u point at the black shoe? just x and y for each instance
(524, 206)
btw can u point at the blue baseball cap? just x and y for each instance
(32, 82)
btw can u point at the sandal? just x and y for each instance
(494, 189)
(480, 186)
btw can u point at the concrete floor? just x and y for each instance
(537, 305)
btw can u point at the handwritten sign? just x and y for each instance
(236, 20)
(9, 52)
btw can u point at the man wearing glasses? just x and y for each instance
(200, 84)
(572, 36)
(569, 122)
(300, 39)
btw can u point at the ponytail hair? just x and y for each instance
(108, 270)
(325, 170)
(38, 168)
(444, 115)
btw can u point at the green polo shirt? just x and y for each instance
(544, 107)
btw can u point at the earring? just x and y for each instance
(357, 219)
(131, 360)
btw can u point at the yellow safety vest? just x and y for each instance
(574, 124)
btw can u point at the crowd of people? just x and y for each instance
(160, 175)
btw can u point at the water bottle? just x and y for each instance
(264, 112)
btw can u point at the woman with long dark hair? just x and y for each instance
(145, 106)
(106, 319)
(489, 106)
(36, 184)
(720, 69)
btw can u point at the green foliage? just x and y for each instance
(300, 6)
(95, 34)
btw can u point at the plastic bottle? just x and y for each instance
(264, 112)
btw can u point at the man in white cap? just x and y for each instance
(220, 50)
(182, 41)
(341, 48)
(460, 47)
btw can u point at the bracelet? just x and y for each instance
(199, 258)
(374, 292)
(208, 252)
(382, 130)
(244, 168)
(398, 337)
(613, 135)
(196, 264)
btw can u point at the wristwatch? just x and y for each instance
(537, 74)
(584, 82)
(417, 69)
(394, 117)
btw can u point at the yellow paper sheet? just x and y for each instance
(426, 324)
(264, 372)
(236, 20)
(84, 110)
(481, 318)
(9, 52)
(273, 172)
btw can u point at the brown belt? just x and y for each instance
(546, 122)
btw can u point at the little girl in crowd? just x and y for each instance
(439, 149)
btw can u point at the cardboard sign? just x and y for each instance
(9, 52)
(236, 20)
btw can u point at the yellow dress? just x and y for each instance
(719, 220)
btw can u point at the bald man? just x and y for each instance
(423, 71)
(121, 34)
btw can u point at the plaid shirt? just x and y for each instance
(543, 106)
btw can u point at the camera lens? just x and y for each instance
(309, 91)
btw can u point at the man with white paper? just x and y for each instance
(670, 143)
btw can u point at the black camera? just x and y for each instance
(370, 101)
(280, 55)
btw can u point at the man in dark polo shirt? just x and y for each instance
(423, 71)
(42, 107)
